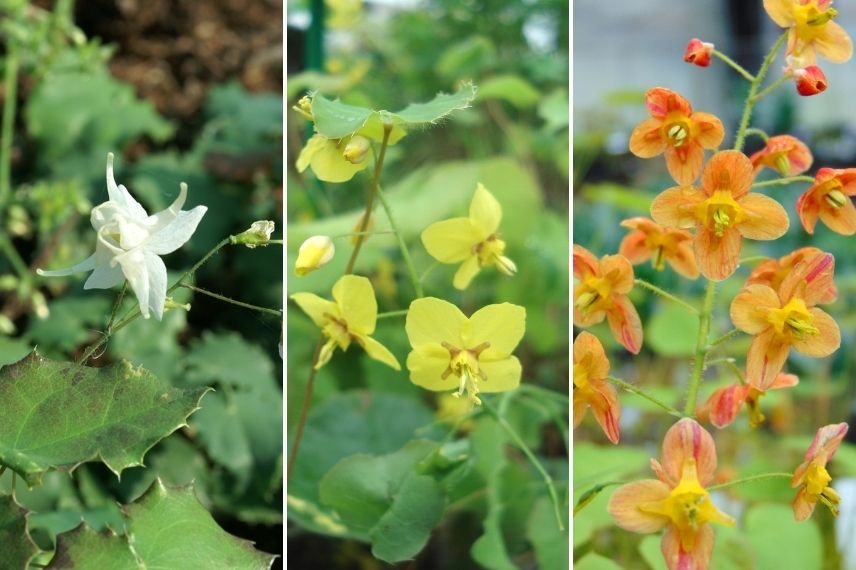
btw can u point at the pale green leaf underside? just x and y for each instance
(57, 415)
(166, 529)
(335, 119)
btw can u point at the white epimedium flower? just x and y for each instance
(130, 241)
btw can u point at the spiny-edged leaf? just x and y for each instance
(17, 548)
(360, 488)
(229, 359)
(335, 119)
(57, 415)
(85, 549)
(194, 539)
(404, 529)
(441, 105)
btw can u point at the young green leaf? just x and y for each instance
(58, 414)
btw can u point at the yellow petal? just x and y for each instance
(379, 352)
(427, 363)
(501, 325)
(834, 44)
(357, 304)
(451, 241)
(313, 146)
(433, 321)
(781, 12)
(501, 375)
(625, 502)
(485, 211)
(316, 307)
(465, 273)
(329, 164)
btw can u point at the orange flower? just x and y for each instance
(652, 241)
(591, 389)
(674, 129)
(772, 272)
(811, 29)
(828, 198)
(810, 80)
(678, 501)
(785, 154)
(602, 293)
(724, 404)
(787, 318)
(724, 211)
(811, 476)
(698, 52)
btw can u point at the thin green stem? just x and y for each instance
(548, 481)
(639, 392)
(757, 132)
(405, 253)
(2, 470)
(387, 129)
(390, 314)
(265, 310)
(116, 305)
(753, 89)
(431, 268)
(724, 338)
(770, 88)
(736, 370)
(666, 295)
(223, 243)
(588, 496)
(304, 411)
(783, 181)
(273, 242)
(749, 480)
(10, 98)
(701, 348)
(734, 65)
(14, 258)
(752, 259)
(357, 234)
(535, 389)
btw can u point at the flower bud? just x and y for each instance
(315, 252)
(810, 80)
(357, 149)
(257, 234)
(698, 52)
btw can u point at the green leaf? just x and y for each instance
(228, 359)
(18, 549)
(672, 331)
(442, 104)
(57, 415)
(554, 109)
(335, 119)
(69, 323)
(467, 58)
(594, 561)
(511, 88)
(194, 540)
(404, 529)
(622, 197)
(551, 544)
(781, 542)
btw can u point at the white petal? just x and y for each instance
(176, 234)
(104, 277)
(157, 284)
(157, 222)
(87, 264)
(136, 272)
(121, 196)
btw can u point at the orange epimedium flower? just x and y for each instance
(591, 389)
(780, 320)
(677, 500)
(829, 199)
(811, 476)
(785, 154)
(724, 404)
(773, 271)
(674, 129)
(650, 240)
(724, 211)
(812, 29)
(601, 293)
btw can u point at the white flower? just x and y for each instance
(130, 241)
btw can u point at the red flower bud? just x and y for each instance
(810, 80)
(698, 52)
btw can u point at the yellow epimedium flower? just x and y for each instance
(472, 355)
(473, 240)
(349, 317)
(314, 253)
(335, 160)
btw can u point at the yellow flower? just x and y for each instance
(473, 240)
(335, 160)
(350, 316)
(315, 252)
(471, 354)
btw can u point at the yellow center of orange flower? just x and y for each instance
(464, 364)
(783, 165)
(753, 401)
(594, 293)
(720, 212)
(810, 15)
(816, 482)
(793, 319)
(831, 192)
(677, 129)
(688, 506)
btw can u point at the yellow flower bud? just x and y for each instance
(315, 252)
(357, 149)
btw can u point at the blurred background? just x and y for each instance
(179, 92)
(514, 139)
(618, 55)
